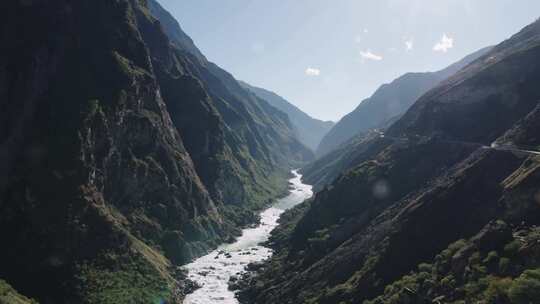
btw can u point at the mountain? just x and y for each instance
(431, 212)
(247, 138)
(325, 169)
(310, 130)
(330, 165)
(388, 103)
(123, 152)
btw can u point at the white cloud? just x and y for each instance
(444, 45)
(368, 55)
(409, 45)
(312, 72)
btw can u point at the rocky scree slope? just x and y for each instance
(105, 184)
(388, 103)
(365, 237)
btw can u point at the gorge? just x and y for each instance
(214, 271)
(135, 170)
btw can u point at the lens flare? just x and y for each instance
(381, 189)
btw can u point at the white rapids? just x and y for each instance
(214, 270)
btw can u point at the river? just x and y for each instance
(214, 270)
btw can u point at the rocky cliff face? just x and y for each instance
(388, 103)
(431, 181)
(118, 158)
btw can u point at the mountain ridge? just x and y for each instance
(389, 100)
(329, 166)
(430, 212)
(310, 130)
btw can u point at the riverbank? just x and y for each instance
(213, 271)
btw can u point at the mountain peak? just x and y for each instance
(388, 103)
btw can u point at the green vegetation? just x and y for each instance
(127, 67)
(121, 278)
(464, 274)
(526, 288)
(8, 295)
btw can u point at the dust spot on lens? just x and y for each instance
(55, 261)
(381, 189)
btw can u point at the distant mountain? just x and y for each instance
(431, 212)
(387, 103)
(330, 165)
(310, 130)
(325, 169)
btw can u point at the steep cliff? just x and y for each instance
(242, 147)
(121, 155)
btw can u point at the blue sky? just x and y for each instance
(327, 56)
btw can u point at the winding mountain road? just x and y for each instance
(493, 146)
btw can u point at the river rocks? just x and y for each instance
(183, 287)
(223, 271)
(255, 266)
(242, 281)
(247, 279)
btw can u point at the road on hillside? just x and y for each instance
(493, 146)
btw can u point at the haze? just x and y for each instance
(326, 57)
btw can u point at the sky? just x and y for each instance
(327, 56)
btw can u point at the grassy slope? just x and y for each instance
(8, 295)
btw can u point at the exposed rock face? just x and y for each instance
(388, 103)
(431, 181)
(121, 154)
(310, 130)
